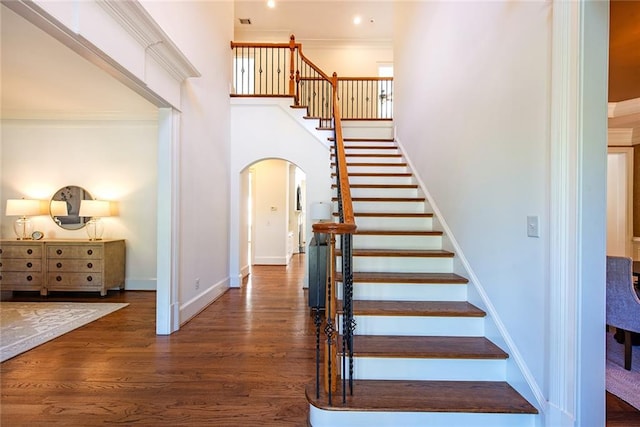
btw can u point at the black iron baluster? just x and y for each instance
(329, 330)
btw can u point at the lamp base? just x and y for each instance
(23, 228)
(95, 228)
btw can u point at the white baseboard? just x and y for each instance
(244, 271)
(194, 306)
(271, 260)
(140, 284)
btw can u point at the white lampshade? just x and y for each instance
(22, 207)
(59, 208)
(95, 208)
(320, 211)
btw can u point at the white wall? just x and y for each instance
(476, 130)
(474, 114)
(202, 31)
(356, 60)
(113, 160)
(271, 212)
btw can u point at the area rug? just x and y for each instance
(624, 384)
(24, 326)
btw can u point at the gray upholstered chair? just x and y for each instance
(623, 304)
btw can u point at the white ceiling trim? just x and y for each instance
(624, 108)
(623, 136)
(134, 18)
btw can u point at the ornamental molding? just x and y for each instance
(135, 19)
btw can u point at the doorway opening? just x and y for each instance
(273, 213)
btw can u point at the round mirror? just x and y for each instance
(65, 207)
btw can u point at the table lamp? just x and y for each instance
(23, 208)
(96, 209)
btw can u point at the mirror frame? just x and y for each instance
(73, 195)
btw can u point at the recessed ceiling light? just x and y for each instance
(271, 3)
(357, 20)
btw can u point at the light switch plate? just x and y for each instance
(533, 226)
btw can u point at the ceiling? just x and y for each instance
(315, 20)
(43, 78)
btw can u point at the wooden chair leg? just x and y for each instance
(627, 350)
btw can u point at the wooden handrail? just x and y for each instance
(378, 79)
(345, 190)
(312, 65)
(264, 45)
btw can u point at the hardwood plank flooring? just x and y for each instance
(245, 360)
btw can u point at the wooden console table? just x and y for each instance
(62, 265)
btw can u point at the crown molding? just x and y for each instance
(624, 108)
(135, 19)
(623, 136)
(100, 116)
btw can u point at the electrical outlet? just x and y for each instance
(533, 226)
(197, 283)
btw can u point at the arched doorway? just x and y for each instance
(272, 213)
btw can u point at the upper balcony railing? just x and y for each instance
(282, 69)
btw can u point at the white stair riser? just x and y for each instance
(407, 292)
(377, 168)
(381, 180)
(366, 132)
(350, 149)
(368, 142)
(439, 326)
(396, 242)
(328, 418)
(382, 192)
(380, 368)
(397, 223)
(367, 159)
(401, 265)
(389, 207)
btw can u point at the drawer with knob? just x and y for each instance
(86, 266)
(21, 266)
(62, 265)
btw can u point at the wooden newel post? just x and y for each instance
(292, 64)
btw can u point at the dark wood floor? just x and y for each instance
(244, 361)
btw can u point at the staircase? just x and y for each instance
(420, 354)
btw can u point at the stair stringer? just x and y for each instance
(518, 374)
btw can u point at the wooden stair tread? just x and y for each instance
(426, 396)
(367, 164)
(395, 214)
(430, 347)
(378, 174)
(398, 232)
(407, 186)
(413, 253)
(385, 277)
(363, 139)
(368, 147)
(416, 308)
(384, 199)
(386, 155)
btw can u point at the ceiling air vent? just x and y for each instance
(245, 21)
